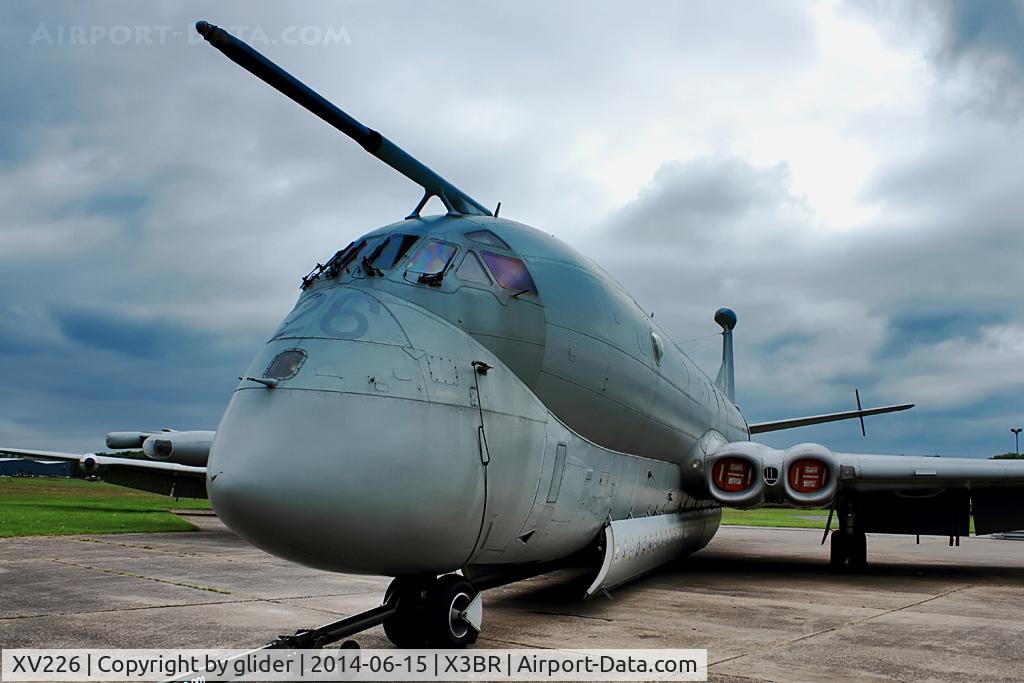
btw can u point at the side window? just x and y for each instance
(391, 251)
(471, 270)
(285, 364)
(431, 258)
(487, 237)
(511, 273)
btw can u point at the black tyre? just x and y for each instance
(445, 601)
(406, 628)
(858, 551)
(838, 556)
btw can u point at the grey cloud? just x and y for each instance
(920, 310)
(982, 37)
(986, 31)
(703, 195)
(170, 192)
(73, 374)
(914, 329)
(123, 335)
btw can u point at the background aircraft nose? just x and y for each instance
(349, 482)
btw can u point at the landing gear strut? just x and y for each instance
(849, 542)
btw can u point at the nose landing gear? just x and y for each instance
(444, 612)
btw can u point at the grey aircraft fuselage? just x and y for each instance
(441, 410)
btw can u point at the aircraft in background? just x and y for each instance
(460, 400)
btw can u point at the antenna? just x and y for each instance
(726, 379)
(863, 432)
(455, 200)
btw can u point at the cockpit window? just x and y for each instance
(487, 237)
(510, 273)
(391, 251)
(471, 270)
(341, 260)
(431, 258)
(286, 364)
(362, 247)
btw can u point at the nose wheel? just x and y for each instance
(445, 612)
(454, 612)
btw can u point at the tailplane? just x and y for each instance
(792, 423)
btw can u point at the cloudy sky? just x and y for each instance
(845, 175)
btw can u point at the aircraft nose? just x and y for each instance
(349, 482)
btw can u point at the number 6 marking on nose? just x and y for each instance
(359, 324)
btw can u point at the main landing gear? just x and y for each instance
(849, 542)
(849, 550)
(444, 612)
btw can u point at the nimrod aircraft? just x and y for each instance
(459, 401)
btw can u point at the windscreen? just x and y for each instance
(392, 251)
(487, 237)
(511, 273)
(432, 258)
(363, 247)
(472, 271)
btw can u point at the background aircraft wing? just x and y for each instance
(165, 478)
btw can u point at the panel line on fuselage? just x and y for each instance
(406, 398)
(652, 367)
(607, 397)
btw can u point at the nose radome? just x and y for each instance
(349, 482)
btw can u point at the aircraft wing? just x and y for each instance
(883, 493)
(165, 478)
(887, 472)
(933, 495)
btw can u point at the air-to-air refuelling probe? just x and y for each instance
(459, 401)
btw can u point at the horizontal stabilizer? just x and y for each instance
(761, 427)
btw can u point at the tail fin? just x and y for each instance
(726, 380)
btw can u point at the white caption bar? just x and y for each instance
(354, 665)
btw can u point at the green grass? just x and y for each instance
(44, 507)
(805, 519)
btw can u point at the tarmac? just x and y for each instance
(762, 601)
